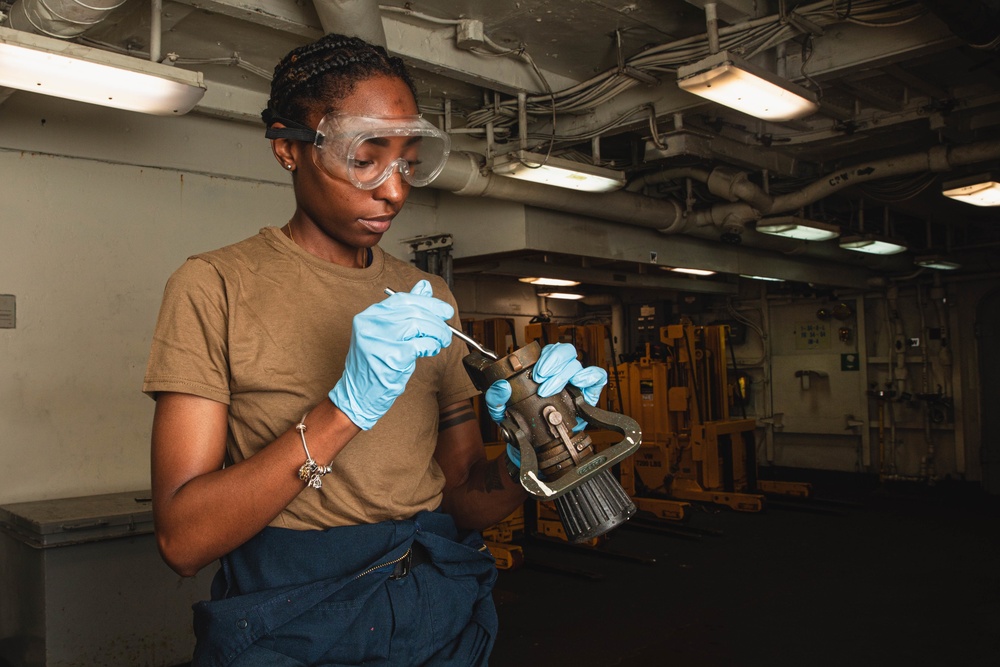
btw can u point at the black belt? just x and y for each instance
(416, 556)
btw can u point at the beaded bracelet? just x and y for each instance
(311, 472)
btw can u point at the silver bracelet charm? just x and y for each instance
(310, 472)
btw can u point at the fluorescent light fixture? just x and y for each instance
(693, 272)
(558, 171)
(794, 227)
(982, 190)
(765, 278)
(937, 262)
(570, 296)
(872, 244)
(550, 282)
(733, 82)
(64, 69)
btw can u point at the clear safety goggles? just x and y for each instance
(365, 150)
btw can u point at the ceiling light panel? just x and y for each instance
(937, 262)
(872, 244)
(981, 190)
(550, 282)
(693, 272)
(568, 296)
(559, 172)
(794, 227)
(736, 83)
(64, 69)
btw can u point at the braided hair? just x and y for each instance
(308, 77)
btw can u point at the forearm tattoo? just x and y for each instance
(492, 471)
(459, 415)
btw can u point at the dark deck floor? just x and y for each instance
(899, 574)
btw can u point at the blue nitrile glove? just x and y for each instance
(496, 402)
(387, 338)
(556, 365)
(496, 399)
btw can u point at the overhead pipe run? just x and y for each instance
(464, 174)
(63, 19)
(354, 18)
(758, 202)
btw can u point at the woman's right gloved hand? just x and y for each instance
(387, 338)
(556, 367)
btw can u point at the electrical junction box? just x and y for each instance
(83, 584)
(469, 34)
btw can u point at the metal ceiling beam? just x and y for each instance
(609, 278)
(434, 50)
(430, 47)
(915, 82)
(549, 231)
(850, 47)
(870, 95)
(297, 18)
(751, 156)
(232, 103)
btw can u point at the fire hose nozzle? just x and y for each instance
(557, 464)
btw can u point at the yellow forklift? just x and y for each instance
(692, 449)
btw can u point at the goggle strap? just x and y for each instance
(292, 130)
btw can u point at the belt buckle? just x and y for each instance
(403, 565)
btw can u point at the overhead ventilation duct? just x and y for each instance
(977, 22)
(64, 19)
(354, 18)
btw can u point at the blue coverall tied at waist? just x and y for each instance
(333, 597)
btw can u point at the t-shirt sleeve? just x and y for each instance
(190, 348)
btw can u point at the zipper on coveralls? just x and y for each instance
(387, 563)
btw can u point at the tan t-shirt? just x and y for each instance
(264, 327)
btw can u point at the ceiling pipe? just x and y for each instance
(731, 184)
(155, 30)
(464, 175)
(354, 18)
(63, 19)
(639, 183)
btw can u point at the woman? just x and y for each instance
(312, 434)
